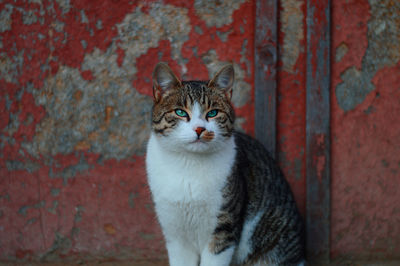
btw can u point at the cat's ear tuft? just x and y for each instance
(224, 79)
(163, 79)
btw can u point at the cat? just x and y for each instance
(219, 197)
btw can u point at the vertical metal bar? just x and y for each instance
(265, 47)
(318, 131)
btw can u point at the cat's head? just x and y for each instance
(192, 116)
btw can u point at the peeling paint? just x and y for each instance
(63, 130)
(341, 51)
(10, 67)
(29, 166)
(24, 209)
(352, 91)
(139, 32)
(61, 246)
(55, 192)
(383, 51)
(291, 94)
(78, 215)
(65, 5)
(365, 128)
(53, 208)
(29, 17)
(291, 20)
(5, 18)
(216, 14)
(75, 116)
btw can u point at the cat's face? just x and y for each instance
(192, 116)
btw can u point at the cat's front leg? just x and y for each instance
(211, 258)
(180, 254)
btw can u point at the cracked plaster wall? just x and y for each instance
(75, 101)
(383, 50)
(365, 130)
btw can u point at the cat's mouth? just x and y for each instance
(199, 140)
(206, 137)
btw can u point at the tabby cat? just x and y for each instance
(219, 197)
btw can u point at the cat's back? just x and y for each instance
(273, 228)
(251, 150)
(257, 166)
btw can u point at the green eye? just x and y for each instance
(212, 113)
(181, 113)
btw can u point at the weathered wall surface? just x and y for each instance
(75, 99)
(365, 95)
(291, 125)
(365, 122)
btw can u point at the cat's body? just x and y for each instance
(219, 197)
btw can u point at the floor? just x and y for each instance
(165, 263)
(91, 263)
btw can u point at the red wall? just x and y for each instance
(75, 98)
(365, 128)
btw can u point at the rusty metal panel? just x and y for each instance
(265, 60)
(318, 130)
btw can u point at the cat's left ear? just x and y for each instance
(224, 79)
(163, 79)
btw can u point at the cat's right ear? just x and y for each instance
(163, 79)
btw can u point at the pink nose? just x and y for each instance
(199, 130)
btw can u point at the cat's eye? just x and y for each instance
(212, 113)
(181, 113)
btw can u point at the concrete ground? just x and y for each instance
(165, 263)
(90, 263)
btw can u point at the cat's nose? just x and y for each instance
(199, 130)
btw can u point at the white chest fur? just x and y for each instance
(187, 189)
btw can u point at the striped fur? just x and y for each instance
(219, 197)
